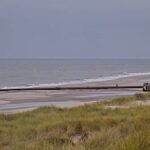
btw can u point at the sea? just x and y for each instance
(55, 72)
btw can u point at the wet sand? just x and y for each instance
(15, 101)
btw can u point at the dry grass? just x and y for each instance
(97, 128)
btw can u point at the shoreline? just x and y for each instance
(66, 97)
(107, 79)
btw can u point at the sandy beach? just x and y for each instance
(16, 101)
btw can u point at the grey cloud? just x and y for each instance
(74, 29)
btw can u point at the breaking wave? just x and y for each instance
(100, 79)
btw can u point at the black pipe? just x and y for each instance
(72, 88)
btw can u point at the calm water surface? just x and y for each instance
(51, 72)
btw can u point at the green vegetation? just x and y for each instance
(89, 127)
(125, 100)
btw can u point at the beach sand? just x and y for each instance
(70, 98)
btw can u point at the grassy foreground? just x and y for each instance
(89, 127)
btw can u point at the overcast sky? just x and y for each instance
(74, 28)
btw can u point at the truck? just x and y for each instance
(146, 87)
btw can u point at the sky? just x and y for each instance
(74, 28)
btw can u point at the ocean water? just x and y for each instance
(44, 72)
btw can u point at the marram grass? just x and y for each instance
(98, 128)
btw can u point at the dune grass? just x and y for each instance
(98, 128)
(123, 100)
